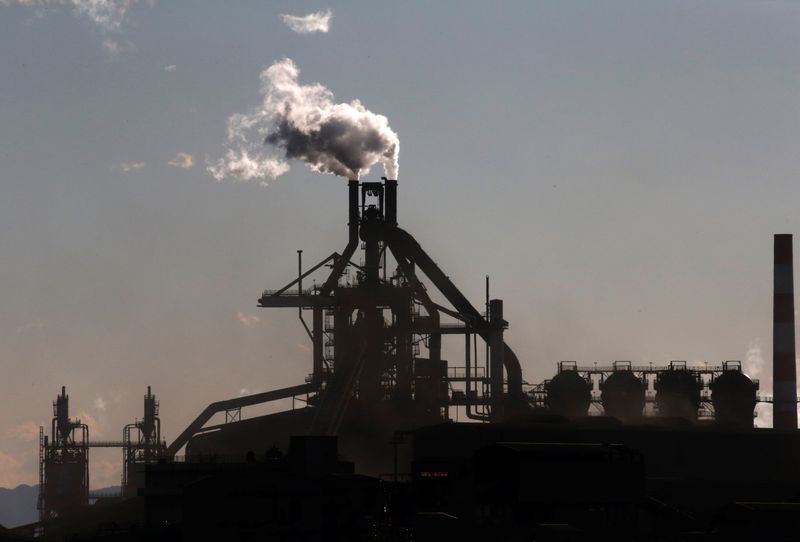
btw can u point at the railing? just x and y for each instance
(477, 373)
(290, 293)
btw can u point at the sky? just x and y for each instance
(617, 168)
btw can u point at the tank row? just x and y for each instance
(628, 393)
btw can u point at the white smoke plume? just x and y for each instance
(757, 367)
(313, 22)
(239, 165)
(303, 122)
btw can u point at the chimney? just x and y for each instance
(784, 372)
(352, 186)
(390, 214)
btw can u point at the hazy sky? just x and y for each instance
(618, 168)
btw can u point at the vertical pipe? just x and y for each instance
(496, 361)
(468, 371)
(300, 272)
(784, 371)
(317, 336)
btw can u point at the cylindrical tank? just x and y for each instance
(623, 395)
(733, 395)
(678, 393)
(569, 394)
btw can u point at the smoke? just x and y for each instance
(241, 166)
(313, 22)
(303, 122)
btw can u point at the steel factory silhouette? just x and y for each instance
(371, 449)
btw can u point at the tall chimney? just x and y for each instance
(390, 215)
(784, 372)
(353, 214)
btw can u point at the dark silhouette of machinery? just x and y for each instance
(141, 444)
(631, 394)
(64, 457)
(568, 393)
(623, 394)
(377, 344)
(63, 463)
(734, 396)
(678, 392)
(380, 384)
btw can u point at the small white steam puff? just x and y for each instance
(313, 22)
(303, 122)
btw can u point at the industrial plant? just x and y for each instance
(376, 446)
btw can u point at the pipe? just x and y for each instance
(784, 370)
(496, 360)
(403, 245)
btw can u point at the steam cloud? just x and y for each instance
(303, 122)
(313, 22)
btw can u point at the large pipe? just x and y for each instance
(784, 371)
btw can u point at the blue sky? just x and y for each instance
(618, 168)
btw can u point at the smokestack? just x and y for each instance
(784, 372)
(390, 214)
(352, 186)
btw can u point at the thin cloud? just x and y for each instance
(111, 46)
(182, 160)
(247, 320)
(27, 431)
(34, 325)
(107, 14)
(91, 422)
(307, 24)
(11, 474)
(127, 167)
(170, 68)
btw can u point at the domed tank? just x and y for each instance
(733, 395)
(678, 392)
(569, 394)
(623, 395)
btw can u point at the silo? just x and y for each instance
(733, 395)
(568, 393)
(678, 392)
(623, 395)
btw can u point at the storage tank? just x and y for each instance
(623, 395)
(678, 392)
(733, 395)
(568, 393)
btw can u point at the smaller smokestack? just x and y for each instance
(352, 186)
(784, 371)
(390, 213)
